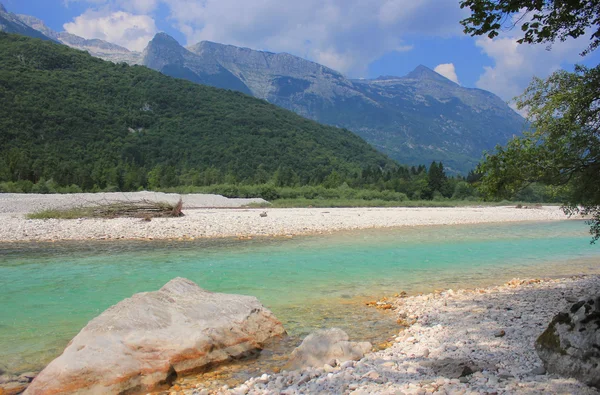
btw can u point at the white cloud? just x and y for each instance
(516, 64)
(122, 28)
(448, 71)
(346, 35)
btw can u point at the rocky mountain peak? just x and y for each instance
(2, 9)
(425, 73)
(163, 50)
(164, 39)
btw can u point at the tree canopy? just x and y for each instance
(75, 119)
(563, 147)
(541, 21)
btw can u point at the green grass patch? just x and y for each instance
(72, 213)
(301, 203)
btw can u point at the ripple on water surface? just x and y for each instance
(48, 291)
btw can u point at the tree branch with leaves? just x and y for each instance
(541, 21)
(562, 149)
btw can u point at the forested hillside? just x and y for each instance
(76, 119)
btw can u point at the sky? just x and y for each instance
(359, 38)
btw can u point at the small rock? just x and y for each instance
(13, 388)
(373, 375)
(425, 353)
(571, 299)
(263, 379)
(347, 364)
(303, 379)
(263, 214)
(7, 378)
(539, 371)
(323, 346)
(27, 376)
(499, 333)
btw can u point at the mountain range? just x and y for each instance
(414, 119)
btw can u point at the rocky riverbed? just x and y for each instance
(477, 341)
(225, 221)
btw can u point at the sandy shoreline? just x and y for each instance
(244, 222)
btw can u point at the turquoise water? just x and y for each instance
(48, 291)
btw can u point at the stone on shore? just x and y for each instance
(452, 368)
(143, 342)
(570, 346)
(325, 347)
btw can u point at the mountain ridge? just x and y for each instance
(395, 114)
(96, 47)
(416, 118)
(12, 23)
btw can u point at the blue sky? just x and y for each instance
(360, 38)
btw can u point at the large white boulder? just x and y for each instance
(144, 342)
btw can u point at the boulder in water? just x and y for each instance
(324, 346)
(142, 343)
(570, 346)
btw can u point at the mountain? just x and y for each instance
(434, 118)
(414, 119)
(98, 48)
(166, 55)
(76, 119)
(11, 23)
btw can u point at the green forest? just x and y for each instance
(78, 120)
(73, 123)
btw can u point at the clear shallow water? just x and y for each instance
(48, 291)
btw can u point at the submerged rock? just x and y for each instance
(570, 346)
(325, 346)
(144, 342)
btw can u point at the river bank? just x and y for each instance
(491, 330)
(241, 222)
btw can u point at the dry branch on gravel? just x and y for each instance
(139, 209)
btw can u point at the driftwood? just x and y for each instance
(144, 209)
(140, 209)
